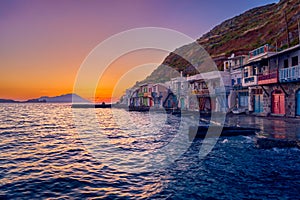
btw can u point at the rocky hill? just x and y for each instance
(274, 24)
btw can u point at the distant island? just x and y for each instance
(8, 101)
(65, 98)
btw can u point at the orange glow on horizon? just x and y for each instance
(127, 69)
(40, 83)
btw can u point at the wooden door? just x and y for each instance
(258, 104)
(278, 103)
(281, 104)
(182, 103)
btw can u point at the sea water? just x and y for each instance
(47, 153)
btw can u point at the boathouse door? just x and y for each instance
(298, 102)
(243, 99)
(169, 103)
(258, 104)
(205, 104)
(258, 101)
(182, 103)
(278, 103)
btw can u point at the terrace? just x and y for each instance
(290, 74)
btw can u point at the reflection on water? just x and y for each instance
(43, 156)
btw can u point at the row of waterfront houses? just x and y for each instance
(262, 83)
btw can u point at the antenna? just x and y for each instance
(287, 29)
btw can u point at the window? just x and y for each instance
(204, 85)
(286, 63)
(226, 65)
(254, 71)
(258, 91)
(239, 81)
(241, 61)
(261, 70)
(295, 61)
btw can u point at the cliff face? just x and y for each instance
(239, 35)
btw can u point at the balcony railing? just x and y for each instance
(269, 78)
(259, 51)
(249, 81)
(290, 74)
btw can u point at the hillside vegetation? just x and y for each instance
(267, 24)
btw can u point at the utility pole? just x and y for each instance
(299, 29)
(287, 29)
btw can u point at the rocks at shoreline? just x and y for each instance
(268, 143)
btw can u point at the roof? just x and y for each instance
(274, 55)
(287, 50)
(208, 75)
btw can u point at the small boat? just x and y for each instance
(238, 111)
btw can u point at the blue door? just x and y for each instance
(243, 99)
(298, 102)
(182, 103)
(169, 103)
(258, 103)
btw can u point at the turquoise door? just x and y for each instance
(169, 103)
(258, 104)
(243, 99)
(182, 103)
(298, 103)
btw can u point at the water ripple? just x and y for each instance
(43, 156)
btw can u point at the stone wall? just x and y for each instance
(290, 99)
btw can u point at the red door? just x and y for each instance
(278, 103)
(201, 104)
(281, 104)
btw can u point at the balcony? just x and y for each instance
(268, 78)
(290, 74)
(249, 81)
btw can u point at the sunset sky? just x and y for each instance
(44, 42)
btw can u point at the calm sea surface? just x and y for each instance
(46, 153)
